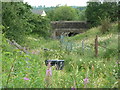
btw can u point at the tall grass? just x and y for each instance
(79, 69)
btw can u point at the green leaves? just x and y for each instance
(63, 13)
(41, 25)
(15, 19)
(19, 22)
(97, 9)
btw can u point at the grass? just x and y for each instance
(102, 71)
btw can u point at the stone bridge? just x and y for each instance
(68, 28)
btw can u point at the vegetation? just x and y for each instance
(41, 26)
(81, 68)
(97, 10)
(105, 25)
(19, 21)
(101, 71)
(57, 13)
(15, 20)
(66, 13)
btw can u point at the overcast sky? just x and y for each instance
(56, 2)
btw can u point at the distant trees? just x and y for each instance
(97, 10)
(66, 13)
(51, 15)
(82, 15)
(63, 13)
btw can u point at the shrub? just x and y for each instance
(105, 25)
(110, 53)
(41, 25)
(15, 17)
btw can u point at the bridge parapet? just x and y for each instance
(69, 24)
(60, 27)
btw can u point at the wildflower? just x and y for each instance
(49, 72)
(86, 80)
(73, 88)
(25, 78)
(48, 75)
(80, 60)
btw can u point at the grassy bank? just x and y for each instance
(80, 63)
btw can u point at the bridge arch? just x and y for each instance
(70, 27)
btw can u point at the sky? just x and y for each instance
(49, 3)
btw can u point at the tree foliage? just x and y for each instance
(41, 25)
(63, 13)
(19, 21)
(15, 19)
(105, 25)
(97, 10)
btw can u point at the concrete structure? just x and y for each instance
(68, 28)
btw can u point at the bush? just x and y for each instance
(15, 17)
(105, 25)
(110, 53)
(41, 25)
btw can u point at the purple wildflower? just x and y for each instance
(48, 75)
(73, 88)
(25, 78)
(49, 70)
(86, 80)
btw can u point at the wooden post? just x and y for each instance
(96, 46)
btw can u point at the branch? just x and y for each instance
(18, 46)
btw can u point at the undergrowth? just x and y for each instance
(80, 63)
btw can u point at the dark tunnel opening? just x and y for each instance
(72, 34)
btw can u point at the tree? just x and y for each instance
(82, 16)
(97, 10)
(15, 19)
(92, 13)
(41, 25)
(51, 14)
(109, 9)
(19, 21)
(63, 13)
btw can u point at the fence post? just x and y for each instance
(96, 46)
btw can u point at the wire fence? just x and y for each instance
(69, 45)
(82, 46)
